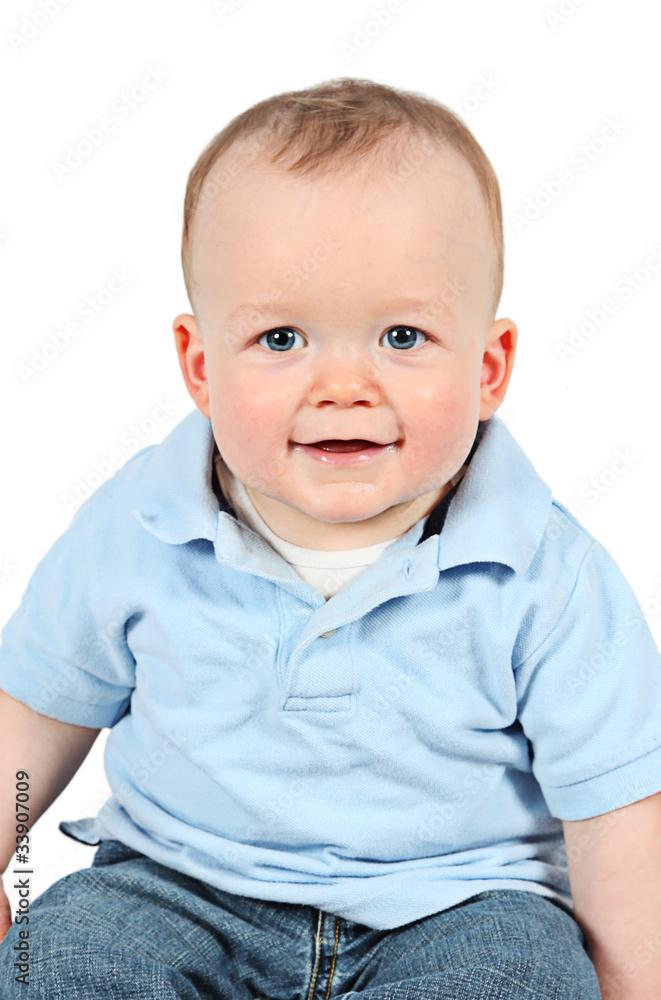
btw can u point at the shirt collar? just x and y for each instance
(497, 512)
(501, 507)
(176, 501)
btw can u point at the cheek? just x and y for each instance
(440, 425)
(242, 402)
(438, 406)
(247, 422)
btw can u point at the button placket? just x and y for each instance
(310, 682)
(321, 677)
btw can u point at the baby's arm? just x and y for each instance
(614, 863)
(50, 751)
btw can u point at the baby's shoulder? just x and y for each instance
(565, 539)
(563, 512)
(114, 499)
(542, 592)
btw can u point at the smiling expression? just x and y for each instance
(345, 307)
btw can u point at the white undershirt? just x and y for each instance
(327, 571)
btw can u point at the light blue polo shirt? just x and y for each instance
(382, 755)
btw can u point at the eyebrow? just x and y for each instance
(421, 306)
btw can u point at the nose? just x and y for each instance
(344, 391)
(346, 381)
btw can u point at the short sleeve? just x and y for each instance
(54, 657)
(589, 698)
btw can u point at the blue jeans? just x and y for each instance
(129, 928)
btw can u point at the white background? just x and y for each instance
(554, 85)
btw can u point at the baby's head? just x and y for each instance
(343, 255)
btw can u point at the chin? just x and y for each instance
(341, 509)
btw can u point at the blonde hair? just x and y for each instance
(335, 125)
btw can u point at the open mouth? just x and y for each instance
(345, 446)
(356, 451)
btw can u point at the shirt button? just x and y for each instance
(324, 634)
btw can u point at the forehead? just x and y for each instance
(417, 215)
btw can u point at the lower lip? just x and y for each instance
(343, 457)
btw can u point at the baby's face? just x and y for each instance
(370, 322)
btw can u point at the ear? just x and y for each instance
(190, 350)
(497, 365)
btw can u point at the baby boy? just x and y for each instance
(384, 715)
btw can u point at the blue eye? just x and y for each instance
(283, 334)
(411, 328)
(281, 337)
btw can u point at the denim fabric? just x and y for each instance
(129, 928)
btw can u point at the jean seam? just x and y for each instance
(330, 978)
(317, 953)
